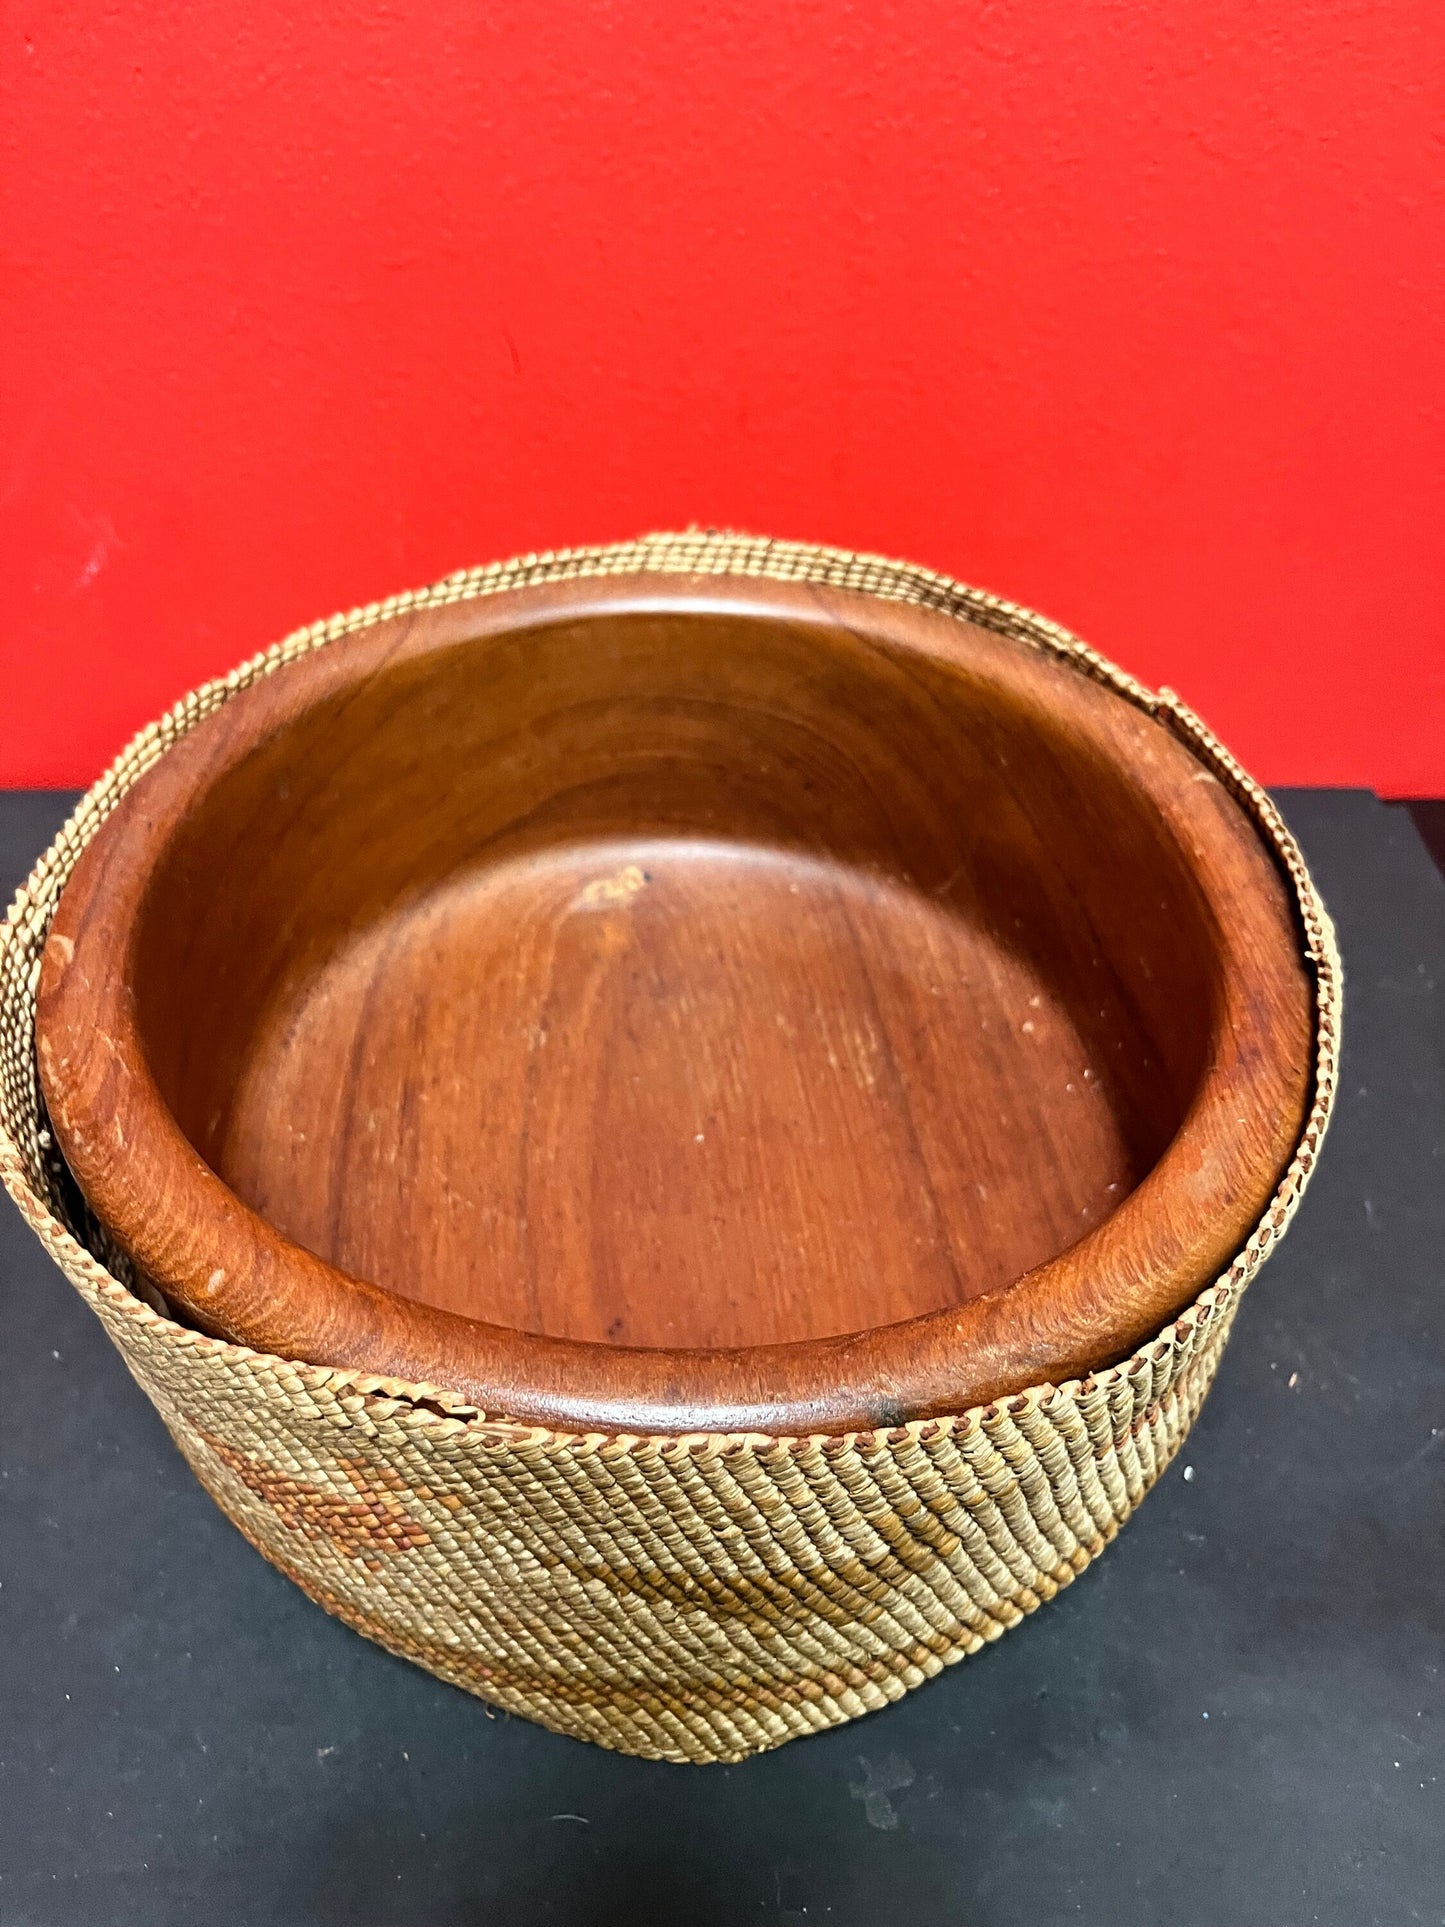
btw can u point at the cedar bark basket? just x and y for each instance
(677, 1007)
(888, 817)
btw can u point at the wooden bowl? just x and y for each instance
(675, 1004)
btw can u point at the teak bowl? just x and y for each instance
(671, 1004)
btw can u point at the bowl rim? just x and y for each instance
(544, 1380)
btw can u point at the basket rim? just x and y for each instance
(695, 553)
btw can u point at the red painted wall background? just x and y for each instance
(1129, 311)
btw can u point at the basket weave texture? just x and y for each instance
(691, 1599)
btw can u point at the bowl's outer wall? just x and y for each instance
(690, 1599)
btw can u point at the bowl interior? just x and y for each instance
(673, 978)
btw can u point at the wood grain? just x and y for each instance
(664, 1005)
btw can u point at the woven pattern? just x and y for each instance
(698, 1598)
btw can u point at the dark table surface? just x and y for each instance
(1234, 1717)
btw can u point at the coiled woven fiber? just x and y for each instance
(693, 1599)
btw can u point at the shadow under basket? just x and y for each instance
(767, 1521)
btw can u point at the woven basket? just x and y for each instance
(697, 1598)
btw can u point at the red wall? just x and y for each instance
(1129, 311)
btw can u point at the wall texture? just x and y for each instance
(1129, 311)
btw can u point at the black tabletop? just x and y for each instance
(1234, 1717)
